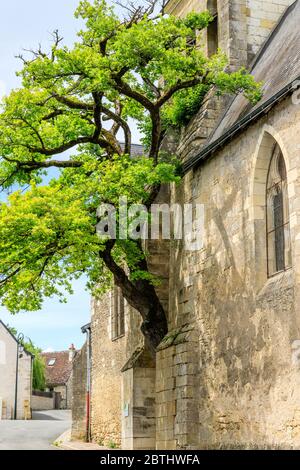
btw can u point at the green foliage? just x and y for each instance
(112, 445)
(78, 99)
(185, 105)
(239, 81)
(38, 371)
(47, 234)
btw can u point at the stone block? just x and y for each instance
(166, 445)
(186, 391)
(185, 380)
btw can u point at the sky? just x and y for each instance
(23, 25)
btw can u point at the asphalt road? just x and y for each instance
(37, 434)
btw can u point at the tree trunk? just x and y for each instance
(155, 326)
(141, 295)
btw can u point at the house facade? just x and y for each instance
(15, 381)
(227, 374)
(59, 375)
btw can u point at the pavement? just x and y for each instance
(37, 434)
(64, 442)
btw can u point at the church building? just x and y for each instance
(227, 375)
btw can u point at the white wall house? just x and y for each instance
(9, 377)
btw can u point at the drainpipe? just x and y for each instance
(31, 384)
(20, 348)
(87, 329)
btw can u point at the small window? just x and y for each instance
(278, 226)
(51, 362)
(118, 314)
(212, 30)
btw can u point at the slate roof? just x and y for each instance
(277, 65)
(60, 372)
(137, 150)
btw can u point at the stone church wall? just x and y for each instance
(243, 27)
(79, 404)
(227, 373)
(246, 326)
(108, 358)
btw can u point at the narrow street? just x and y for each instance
(37, 434)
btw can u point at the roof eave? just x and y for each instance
(13, 336)
(243, 123)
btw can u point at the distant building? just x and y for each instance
(81, 384)
(59, 366)
(15, 382)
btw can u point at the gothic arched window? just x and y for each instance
(278, 225)
(212, 30)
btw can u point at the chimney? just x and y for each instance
(72, 352)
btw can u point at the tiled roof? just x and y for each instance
(59, 373)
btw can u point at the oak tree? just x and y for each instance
(74, 113)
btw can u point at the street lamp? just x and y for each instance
(20, 350)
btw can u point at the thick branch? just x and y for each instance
(141, 296)
(74, 104)
(156, 134)
(130, 292)
(4, 280)
(33, 165)
(116, 117)
(97, 114)
(53, 114)
(178, 86)
(126, 90)
(152, 87)
(73, 143)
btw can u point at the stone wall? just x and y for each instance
(8, 347)
(108, 358)
(139, 371)
(69, 392)
(262, 17)
(79, 398)
(138, 399)
(227, 373)
(243, 25)
(24, 386)
(247, 325)
(40, 402)
(177, 389)
(63, 391)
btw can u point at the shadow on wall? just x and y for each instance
(245, 337)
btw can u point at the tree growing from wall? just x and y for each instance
(68, 115)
